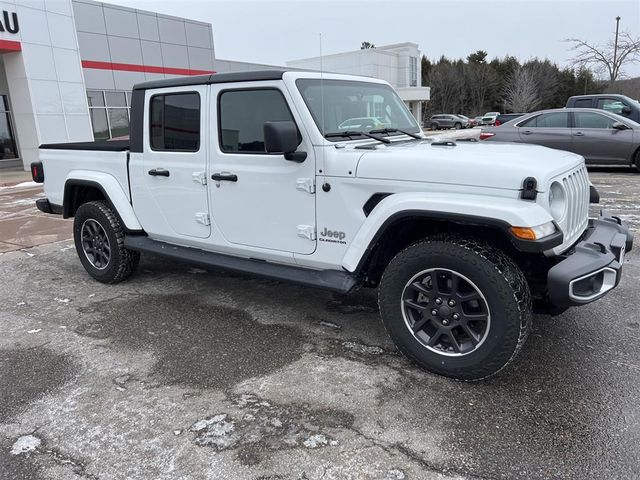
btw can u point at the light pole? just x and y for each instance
(614, 70)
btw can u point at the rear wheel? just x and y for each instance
(457, 126)
(99, 240)
(434, 126)
(636, 161)
(459, 308)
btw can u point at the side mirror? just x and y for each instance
(283, 137)
(619, 126)
(626, 110)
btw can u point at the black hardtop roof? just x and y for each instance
(253, 76)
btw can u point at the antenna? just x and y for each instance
(322, 128)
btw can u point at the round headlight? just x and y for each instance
(557, 201)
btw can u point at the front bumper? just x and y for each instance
(594, 266)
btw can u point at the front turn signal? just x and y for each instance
(534, 233)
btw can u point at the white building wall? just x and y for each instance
(45, 80)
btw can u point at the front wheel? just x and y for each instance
(636, 161)
(434, 126)
(99, 240)
(457, 307)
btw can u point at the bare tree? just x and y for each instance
(366, 45)
(481, 80)
(545, 76)
(447, 84)
(521, 92)
(607, 58)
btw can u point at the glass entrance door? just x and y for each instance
(8, 149)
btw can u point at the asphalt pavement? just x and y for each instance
(182, 373)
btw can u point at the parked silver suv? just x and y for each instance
(439, 122)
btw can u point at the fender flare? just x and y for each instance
(112, 191)
(496, 212)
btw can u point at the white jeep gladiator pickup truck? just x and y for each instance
(327, 181)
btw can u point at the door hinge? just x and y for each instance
(203, 218)
(306, 185)
(199, 177)
(307, 231)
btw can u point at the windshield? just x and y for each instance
(351, 106)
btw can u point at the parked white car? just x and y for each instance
(252, 172)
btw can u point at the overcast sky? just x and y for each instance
(276, 31)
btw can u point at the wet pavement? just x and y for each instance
(22, 225)
(184, 373)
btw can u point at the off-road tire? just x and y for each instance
(122, 262)
(498, 278)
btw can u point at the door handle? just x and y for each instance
(527, 132)
(159, 172)
(578, 134)
(224, 177)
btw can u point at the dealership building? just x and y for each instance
(68, 67)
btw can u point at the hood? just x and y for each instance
(494, 165)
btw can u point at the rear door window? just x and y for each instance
(175, 122)
(584, 103)
(548, 120)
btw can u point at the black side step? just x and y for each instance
(334, 280)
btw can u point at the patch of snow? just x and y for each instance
(177, 432)
(395, 474)
(22, 185)
(62, 300)
(20, 304)
(37, 330)
(91, 295)
(315, 441)
(360, 348)
(330, 325)
(202, 424)
(25, 444)
(197, 270)
(276, 422)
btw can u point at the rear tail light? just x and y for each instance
(498, 123)
(486, 135)
(37, 172)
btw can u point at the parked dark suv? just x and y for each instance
(612, 103)
(506, 117)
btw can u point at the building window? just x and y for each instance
(8, 148)
(413, 72)
(110, 113)
(175, 122)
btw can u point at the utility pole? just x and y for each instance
(614, 70)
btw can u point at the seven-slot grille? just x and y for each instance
(576, 185)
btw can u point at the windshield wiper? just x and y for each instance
(355, 133)
(394, 130)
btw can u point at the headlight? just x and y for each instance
(557, 201)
